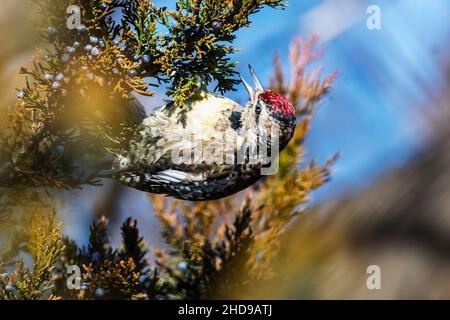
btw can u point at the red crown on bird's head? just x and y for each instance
(278, 105)
(278, 102)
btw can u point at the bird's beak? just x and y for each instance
(250, 90)
(253, 93)
(258, 84)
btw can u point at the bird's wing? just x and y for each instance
(162, 144)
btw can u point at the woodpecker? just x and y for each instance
(174, 157)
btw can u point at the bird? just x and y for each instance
(189, 160)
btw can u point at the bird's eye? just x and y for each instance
(258, 108)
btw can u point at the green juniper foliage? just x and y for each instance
(42, 240)
(203, 261)
(76, 108)
(109, 273)
(125, 273)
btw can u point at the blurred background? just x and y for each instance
(388, 203)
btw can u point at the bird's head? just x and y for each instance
(278, 107)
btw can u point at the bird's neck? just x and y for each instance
(263, 127)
